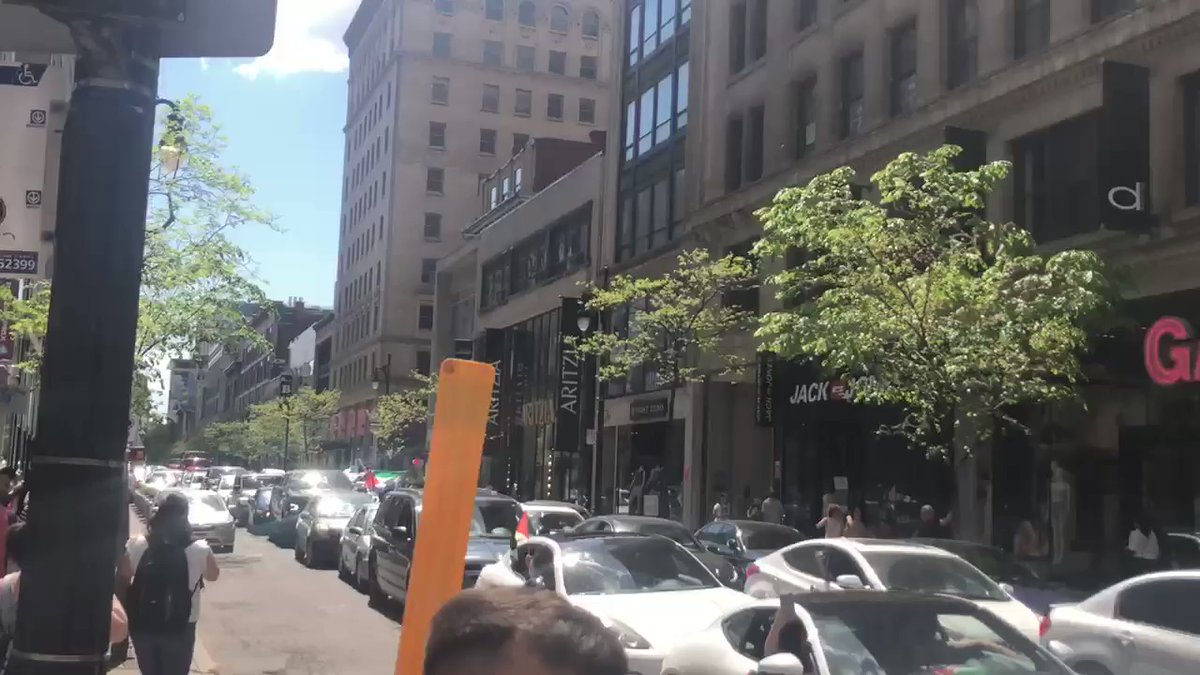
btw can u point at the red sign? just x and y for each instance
(1169, 352)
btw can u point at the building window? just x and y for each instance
(591, 24)
(646, 122)
(439, 92)
(630, 123)
(554, 106)
(437, 135)
(444, 6)
(433, 227)
(804, 13)
(663, 108)
(519, 141)
(635, 33)
(904, 69)
(754, 143)
(962, 39)
(587, 111)
(681, 97)
(1031, 26)
(424, 361)
(425, 317)
(1191, 138)
(491, 98)
(494, 10)
(587, 67)
(734, 138)
(558, 62)
(435, 179)
(1102, 9)
(1055, 177)
(441, 45)
(523, 105)
(737, 38)
(805, 117)
(851, 71)
(487, 141)
(493, 53)
(526, 57)
(560, 19)
(527, 14)
(428, 270)
(756, 42)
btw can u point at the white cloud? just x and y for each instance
(308, 38)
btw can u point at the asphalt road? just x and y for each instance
(268, 614)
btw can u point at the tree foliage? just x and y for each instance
(945, 315)
(195, 279)
(398, 414)
(303, 418)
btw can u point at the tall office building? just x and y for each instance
(441, 94)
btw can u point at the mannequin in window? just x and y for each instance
(1060, 509)
(637, 486)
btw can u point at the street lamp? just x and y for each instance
(382, 375)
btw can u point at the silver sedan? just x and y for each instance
(356, 543)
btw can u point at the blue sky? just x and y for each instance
(283, 115)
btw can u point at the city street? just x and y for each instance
(269, 614)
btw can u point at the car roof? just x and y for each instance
(875, 598)
(759, 525)
(867, 545)
(635, 520)
(481, 494)
(547, 505)
(952, 544)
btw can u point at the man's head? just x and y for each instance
(519, 631)
(928, 514)
(8, 476)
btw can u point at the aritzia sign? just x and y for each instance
(1169, 351)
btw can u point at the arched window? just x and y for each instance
(559, 19)
(527, 13)
(591, 24)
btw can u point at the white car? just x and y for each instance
(548, 517)
(1148, 625)
(883, 564)
(649, 591)
(864, 633)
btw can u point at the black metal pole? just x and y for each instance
(598, 446)
(287, 431)
(77, 475)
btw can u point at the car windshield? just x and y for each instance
(768, 537)
(922, 573)
(208, 502)
(912, 638)
(495, 518)
(618, 565)
(324, 480)
(676, 533)
(228, 480)
(341, 506)
(548, 522)
(997, 564)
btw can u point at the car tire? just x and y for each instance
(310, 558)
(343, 571)
(297, 553)
(359, 582)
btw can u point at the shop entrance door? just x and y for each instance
(1160, 471)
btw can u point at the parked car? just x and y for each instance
(289, 499)
(749, 539)
(866, 633)
(882, 565)
(1011, 574)
(1148, 624)
(244, 491)
(356, 542)
(397, 525)
(649, 590)
(320, 523)
(723, 563)
(1185, 550)
(260, 506)
(207, 516)
(549, 517)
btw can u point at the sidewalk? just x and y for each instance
(202, 663)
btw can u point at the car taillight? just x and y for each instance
(752, 569)
(1044, 626)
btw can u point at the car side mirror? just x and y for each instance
(1007, 588)
(733, 544)
(293, 508)
(781, 664)
(400, 532)
(849, 582)
(354, 529)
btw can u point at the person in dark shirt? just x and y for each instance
(932, 527)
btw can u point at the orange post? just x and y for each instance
(464, 395)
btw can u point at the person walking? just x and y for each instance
(165, 571)
(834, 522)
(772, 508)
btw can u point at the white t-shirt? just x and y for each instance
(1143, 546)
(197, 559)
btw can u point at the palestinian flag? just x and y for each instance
(521, 535)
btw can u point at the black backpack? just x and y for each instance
(160, 598)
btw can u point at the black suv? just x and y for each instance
(398, 521)
(288, 500)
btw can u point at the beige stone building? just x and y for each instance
(1096, 103)
(441, 94)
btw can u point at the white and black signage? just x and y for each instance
(825, 391)
(569, 403)
(1124, 148)
(490, 349)
(25, 94)
(647, 409)
(764, 390)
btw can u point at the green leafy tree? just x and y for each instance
(159, 441)
(677, 324)
(398, 414)
(227, 439)
(303, 418)
(196, 281)
(923, 303)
